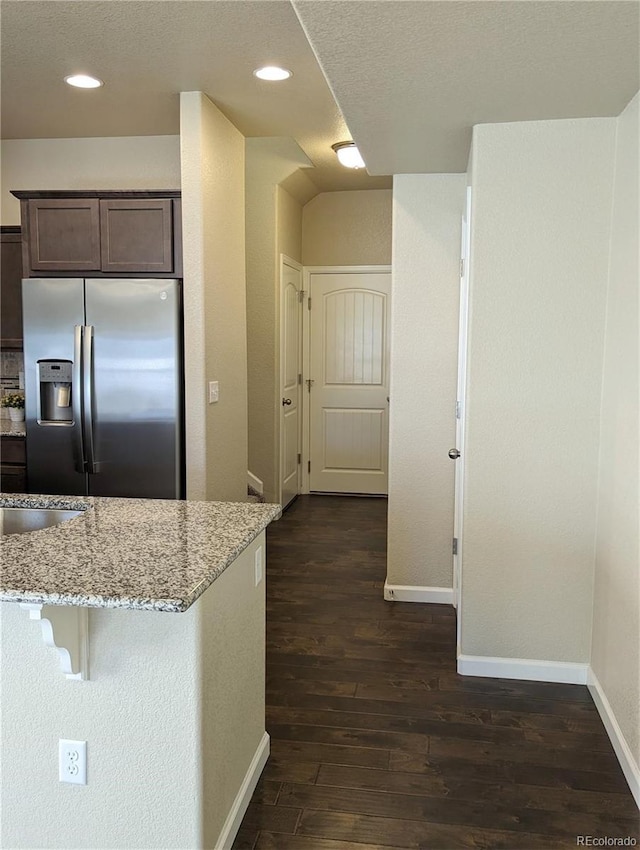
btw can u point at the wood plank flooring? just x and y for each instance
(376, 742)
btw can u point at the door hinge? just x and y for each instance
(299, 458)
(300, 379)
(308, 466)
(458, 409)
(455, 546)
(462, 268)
(309, 303)
(301, 295)
(309, 383)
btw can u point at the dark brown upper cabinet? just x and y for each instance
(101, 233)
(11, 293)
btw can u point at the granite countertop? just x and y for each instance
(149, 554)
(12, 429)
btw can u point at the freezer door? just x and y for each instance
(134, 392)
(53, 315)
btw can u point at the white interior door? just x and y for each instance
(290, 379)
(349, 371)
(465, 267)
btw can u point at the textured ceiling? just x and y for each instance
(410, 76)
(413, 76)
(147, 52)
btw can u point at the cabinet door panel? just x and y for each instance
(136, 235)
(11, 295)
(64, 234)
(13, 450)
(13, 479)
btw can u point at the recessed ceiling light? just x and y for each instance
(83, 81)
(272, 72)
(348, 154)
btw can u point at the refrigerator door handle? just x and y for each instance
(76, 398)
(87, 398)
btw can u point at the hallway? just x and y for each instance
(377, 742)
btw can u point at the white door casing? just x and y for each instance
(290, 379)
(349, 373)
(465, 268)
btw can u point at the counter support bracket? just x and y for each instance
(66, 628)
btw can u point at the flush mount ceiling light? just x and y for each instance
(272, 73)
(83, 81)
(348, 154)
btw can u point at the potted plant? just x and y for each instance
(15, 403)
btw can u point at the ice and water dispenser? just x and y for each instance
(54, 392)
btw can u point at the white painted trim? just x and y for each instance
(243, 797)
(408, 593)
(288, 261)
(254, 482)
(306, 367)
(523, 668)
(621, 748)
(461, 397)
(347, 269)
(306, 352)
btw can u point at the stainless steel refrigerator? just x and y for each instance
(104, 387)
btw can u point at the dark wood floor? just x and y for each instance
(377, 742)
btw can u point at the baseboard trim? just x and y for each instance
(410, 593)
(255, 483)
(523, 668)
(621, 748)
(243, 797)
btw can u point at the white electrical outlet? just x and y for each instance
(213, 392)
(258, 564)
(72, 761)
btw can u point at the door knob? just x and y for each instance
(454, 454)
(286, 401)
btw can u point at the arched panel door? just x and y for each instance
(349, 367)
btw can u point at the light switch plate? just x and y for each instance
(213, 392)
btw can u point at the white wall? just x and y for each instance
(133, 723)
(424, 329)
(615, 647)
(131, 162)
(212, 163)
(347, 229)
(542, 194)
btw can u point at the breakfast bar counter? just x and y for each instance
(172, 708)
(149, 554)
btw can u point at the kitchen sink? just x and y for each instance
(21, 520)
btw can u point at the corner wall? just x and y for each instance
(424, 329)
(273, 225)
(615, 650)
(541, 207)
(212, 164)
